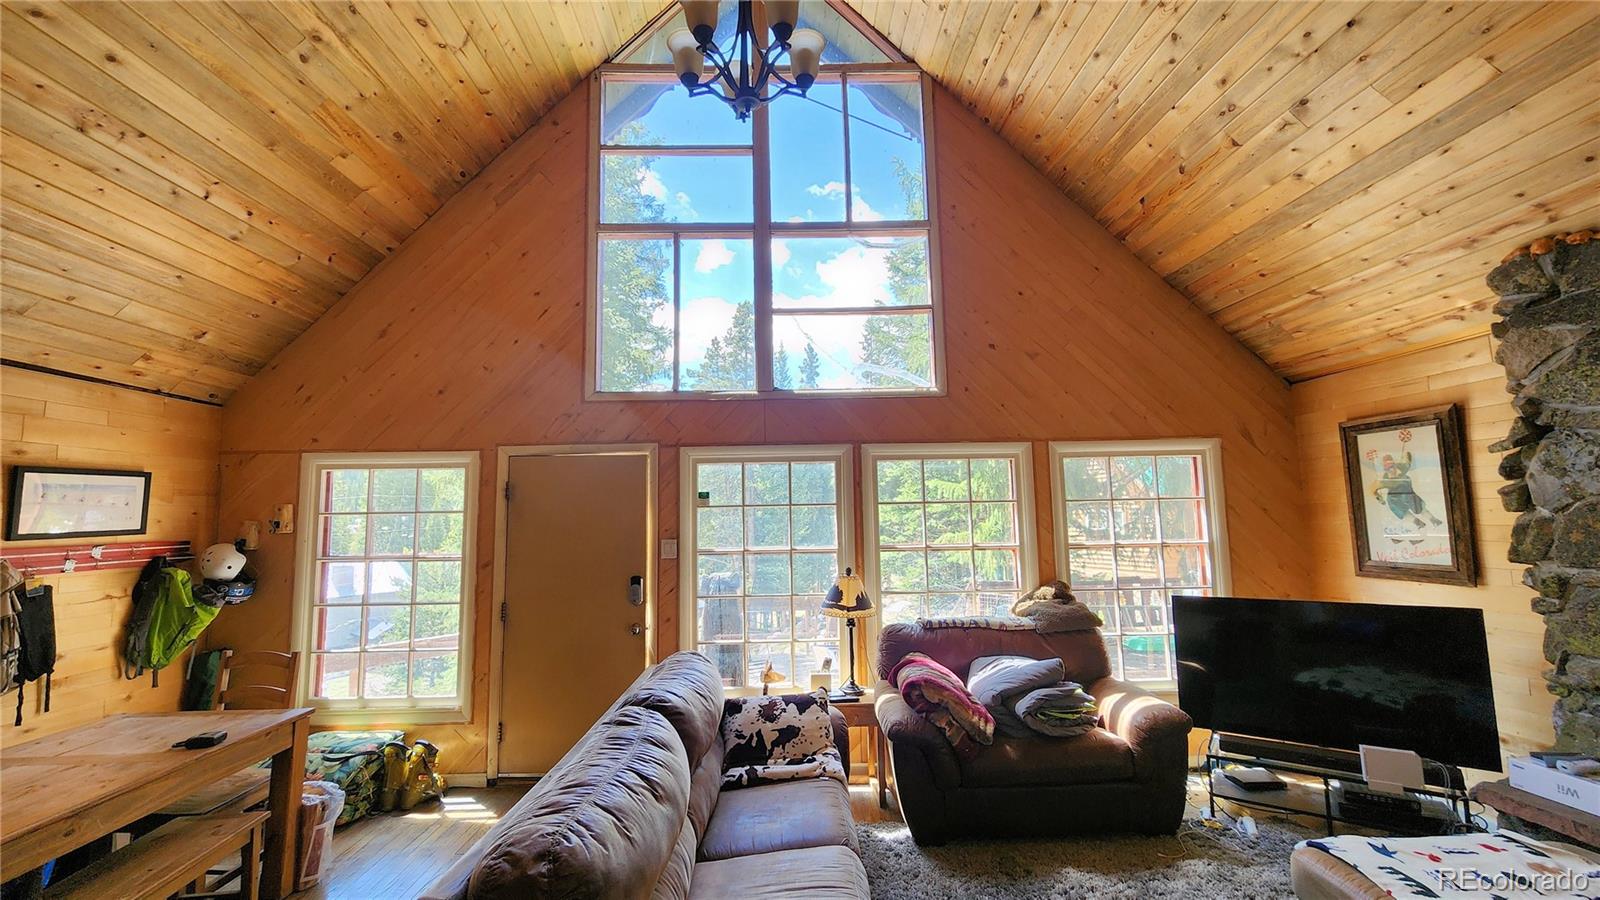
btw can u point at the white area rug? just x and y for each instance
(1198, 863)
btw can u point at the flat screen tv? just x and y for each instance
(1339, 675)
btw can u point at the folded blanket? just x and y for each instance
(1062, 710)
(997, 681)
(1053, 609)
(936, 693)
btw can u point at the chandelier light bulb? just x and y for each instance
(782, 15)
(805, 56)
(702, 18)
(687, 60)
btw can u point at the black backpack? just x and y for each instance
(35, 618)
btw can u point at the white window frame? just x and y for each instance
(1209, 450)
(408, 710)
(761, 232)
(1021, 455)
(689, 457)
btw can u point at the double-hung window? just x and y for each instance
(1136, 523)
(383, 606)
(767, 530)
(790, 253)
(949, 528)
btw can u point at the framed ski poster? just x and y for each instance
(1410, 514)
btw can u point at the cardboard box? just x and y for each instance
(1576, 791)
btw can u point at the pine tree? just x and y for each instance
(897, 351)
(810, 368)
(730, 360)
(782, 378)
(635, 352)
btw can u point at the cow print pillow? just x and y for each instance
(778, 738)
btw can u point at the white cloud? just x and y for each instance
(780, 254)
(684, 204)
(857, 277)
(700, 320)
(831, 189)
(859, 210)
(713, 255)
(650, 184)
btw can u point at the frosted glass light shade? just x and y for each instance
(702, 18)
(781, 17)
(805, 55)
(687, 60)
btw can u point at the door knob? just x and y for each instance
(636, 629)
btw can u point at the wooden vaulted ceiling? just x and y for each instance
(187, 186)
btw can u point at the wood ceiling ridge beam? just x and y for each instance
(1480, 106)
(1484, 156)
(1365, 141)
(1253, 104)
(1151, 150)
(1167, 56)
(151, 119)
(1373, 237)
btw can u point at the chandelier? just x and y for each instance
(746, 69)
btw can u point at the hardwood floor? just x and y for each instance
(398, 855)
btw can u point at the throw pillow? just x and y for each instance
(935, 692)
(778, 738)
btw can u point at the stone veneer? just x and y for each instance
(1549, 343)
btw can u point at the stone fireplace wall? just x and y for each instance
(1549, 344)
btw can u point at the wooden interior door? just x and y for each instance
(577, 532)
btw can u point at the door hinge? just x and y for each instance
(500, 733)
(507, 492)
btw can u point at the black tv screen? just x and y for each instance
(1339, 675)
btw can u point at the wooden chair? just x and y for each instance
(252, 694)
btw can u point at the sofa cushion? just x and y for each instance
(603, 823)
(815, 873)
(1092, 758)
(674, 883)
(814, 813)
(686, 688)
(705, 789)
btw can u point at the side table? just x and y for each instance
(863, 713)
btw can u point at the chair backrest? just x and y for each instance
(251, 689)
(1083, 652)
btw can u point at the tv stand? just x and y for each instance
(1326, 783)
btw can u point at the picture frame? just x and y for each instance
(51, 503)
(1410, 512)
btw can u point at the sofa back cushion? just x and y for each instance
(1081, 652)
(603, 823)
(686, 688)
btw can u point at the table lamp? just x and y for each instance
(848, 600)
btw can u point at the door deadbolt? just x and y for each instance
(636, 590)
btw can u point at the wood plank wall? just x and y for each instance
(1463, 373)
(471, 336)
(55, 421)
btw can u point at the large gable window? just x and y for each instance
(792, 253)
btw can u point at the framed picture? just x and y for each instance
(49, 503)
(1409, 510)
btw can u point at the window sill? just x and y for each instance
(335, 717)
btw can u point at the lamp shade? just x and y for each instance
(781, 17)
(847, 599)
(702, 18)
(805, 55)
(687, 60)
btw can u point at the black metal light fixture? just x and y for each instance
(746, 70)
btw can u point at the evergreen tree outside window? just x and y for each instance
(791, 254)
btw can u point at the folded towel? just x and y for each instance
(998, 680)
(1062, 710)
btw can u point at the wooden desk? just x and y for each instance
(864, 714)
(64, 790)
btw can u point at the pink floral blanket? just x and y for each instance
(935, 692)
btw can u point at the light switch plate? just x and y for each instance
(669, 548)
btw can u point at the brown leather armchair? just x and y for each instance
(1128, 775)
